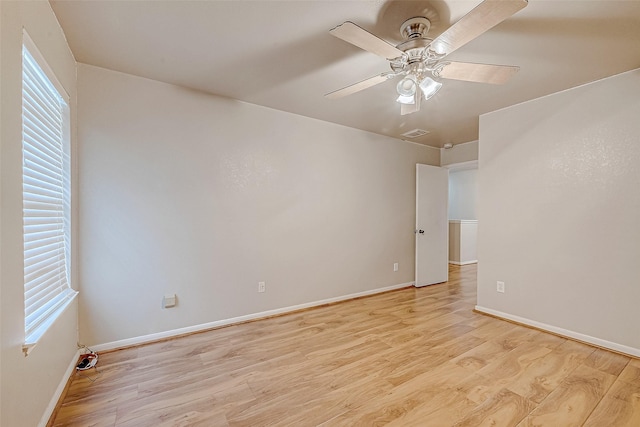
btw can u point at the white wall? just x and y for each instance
(559, 206)
(459, 153)
(463, 241)
(205, 196)
(463, 194)
(28, 385)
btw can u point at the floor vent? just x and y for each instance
(415, 133)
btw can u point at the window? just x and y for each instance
(46, 194)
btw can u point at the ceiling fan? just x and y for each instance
(421, 60)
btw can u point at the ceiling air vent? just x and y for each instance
(415, 133)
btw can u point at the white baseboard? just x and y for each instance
(475, 261)
(226, 322)
(635, 352)
(56, 396)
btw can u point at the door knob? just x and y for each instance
(419, 231)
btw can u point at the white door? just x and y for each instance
(432, 225)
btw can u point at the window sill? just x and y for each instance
(34, 337)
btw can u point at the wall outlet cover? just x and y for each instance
(169, 300)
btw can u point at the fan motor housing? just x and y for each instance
(414, 45)
(413, 31)
(415, 28)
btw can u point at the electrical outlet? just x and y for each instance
(395, 266)
(500, 287)
(261, 287)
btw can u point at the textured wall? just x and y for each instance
(206, 196)
(558, 211)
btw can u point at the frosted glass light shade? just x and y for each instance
(411, 99)
(429, 87)
(406, 86)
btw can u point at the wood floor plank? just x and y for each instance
(514, 337)
(620, 407)
(631, 373)
(488, 327)
(328, 409)
(441, 410)
(573, 401)
(607, 361)
(94, 409)
(454, 347)
(504, 408)
(477, 389)
(545, 375)
(409, 357)
(481, 355)
(196, 419)
(100, 419)
(510, 367)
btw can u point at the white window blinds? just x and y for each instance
(46, 196)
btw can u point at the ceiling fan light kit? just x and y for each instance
(407, 86)
(429, 87)
(406, 99)
(420, 60)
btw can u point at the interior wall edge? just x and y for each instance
(460, 153)
(60, 391)
(577, 336)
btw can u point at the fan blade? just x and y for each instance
(411, 108)
(480, 73)
(357, 87)
(360, 37)
(485, 16)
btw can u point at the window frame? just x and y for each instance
(64, 293)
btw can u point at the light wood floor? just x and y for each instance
(412, 357)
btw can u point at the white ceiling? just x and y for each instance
(279, 54)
